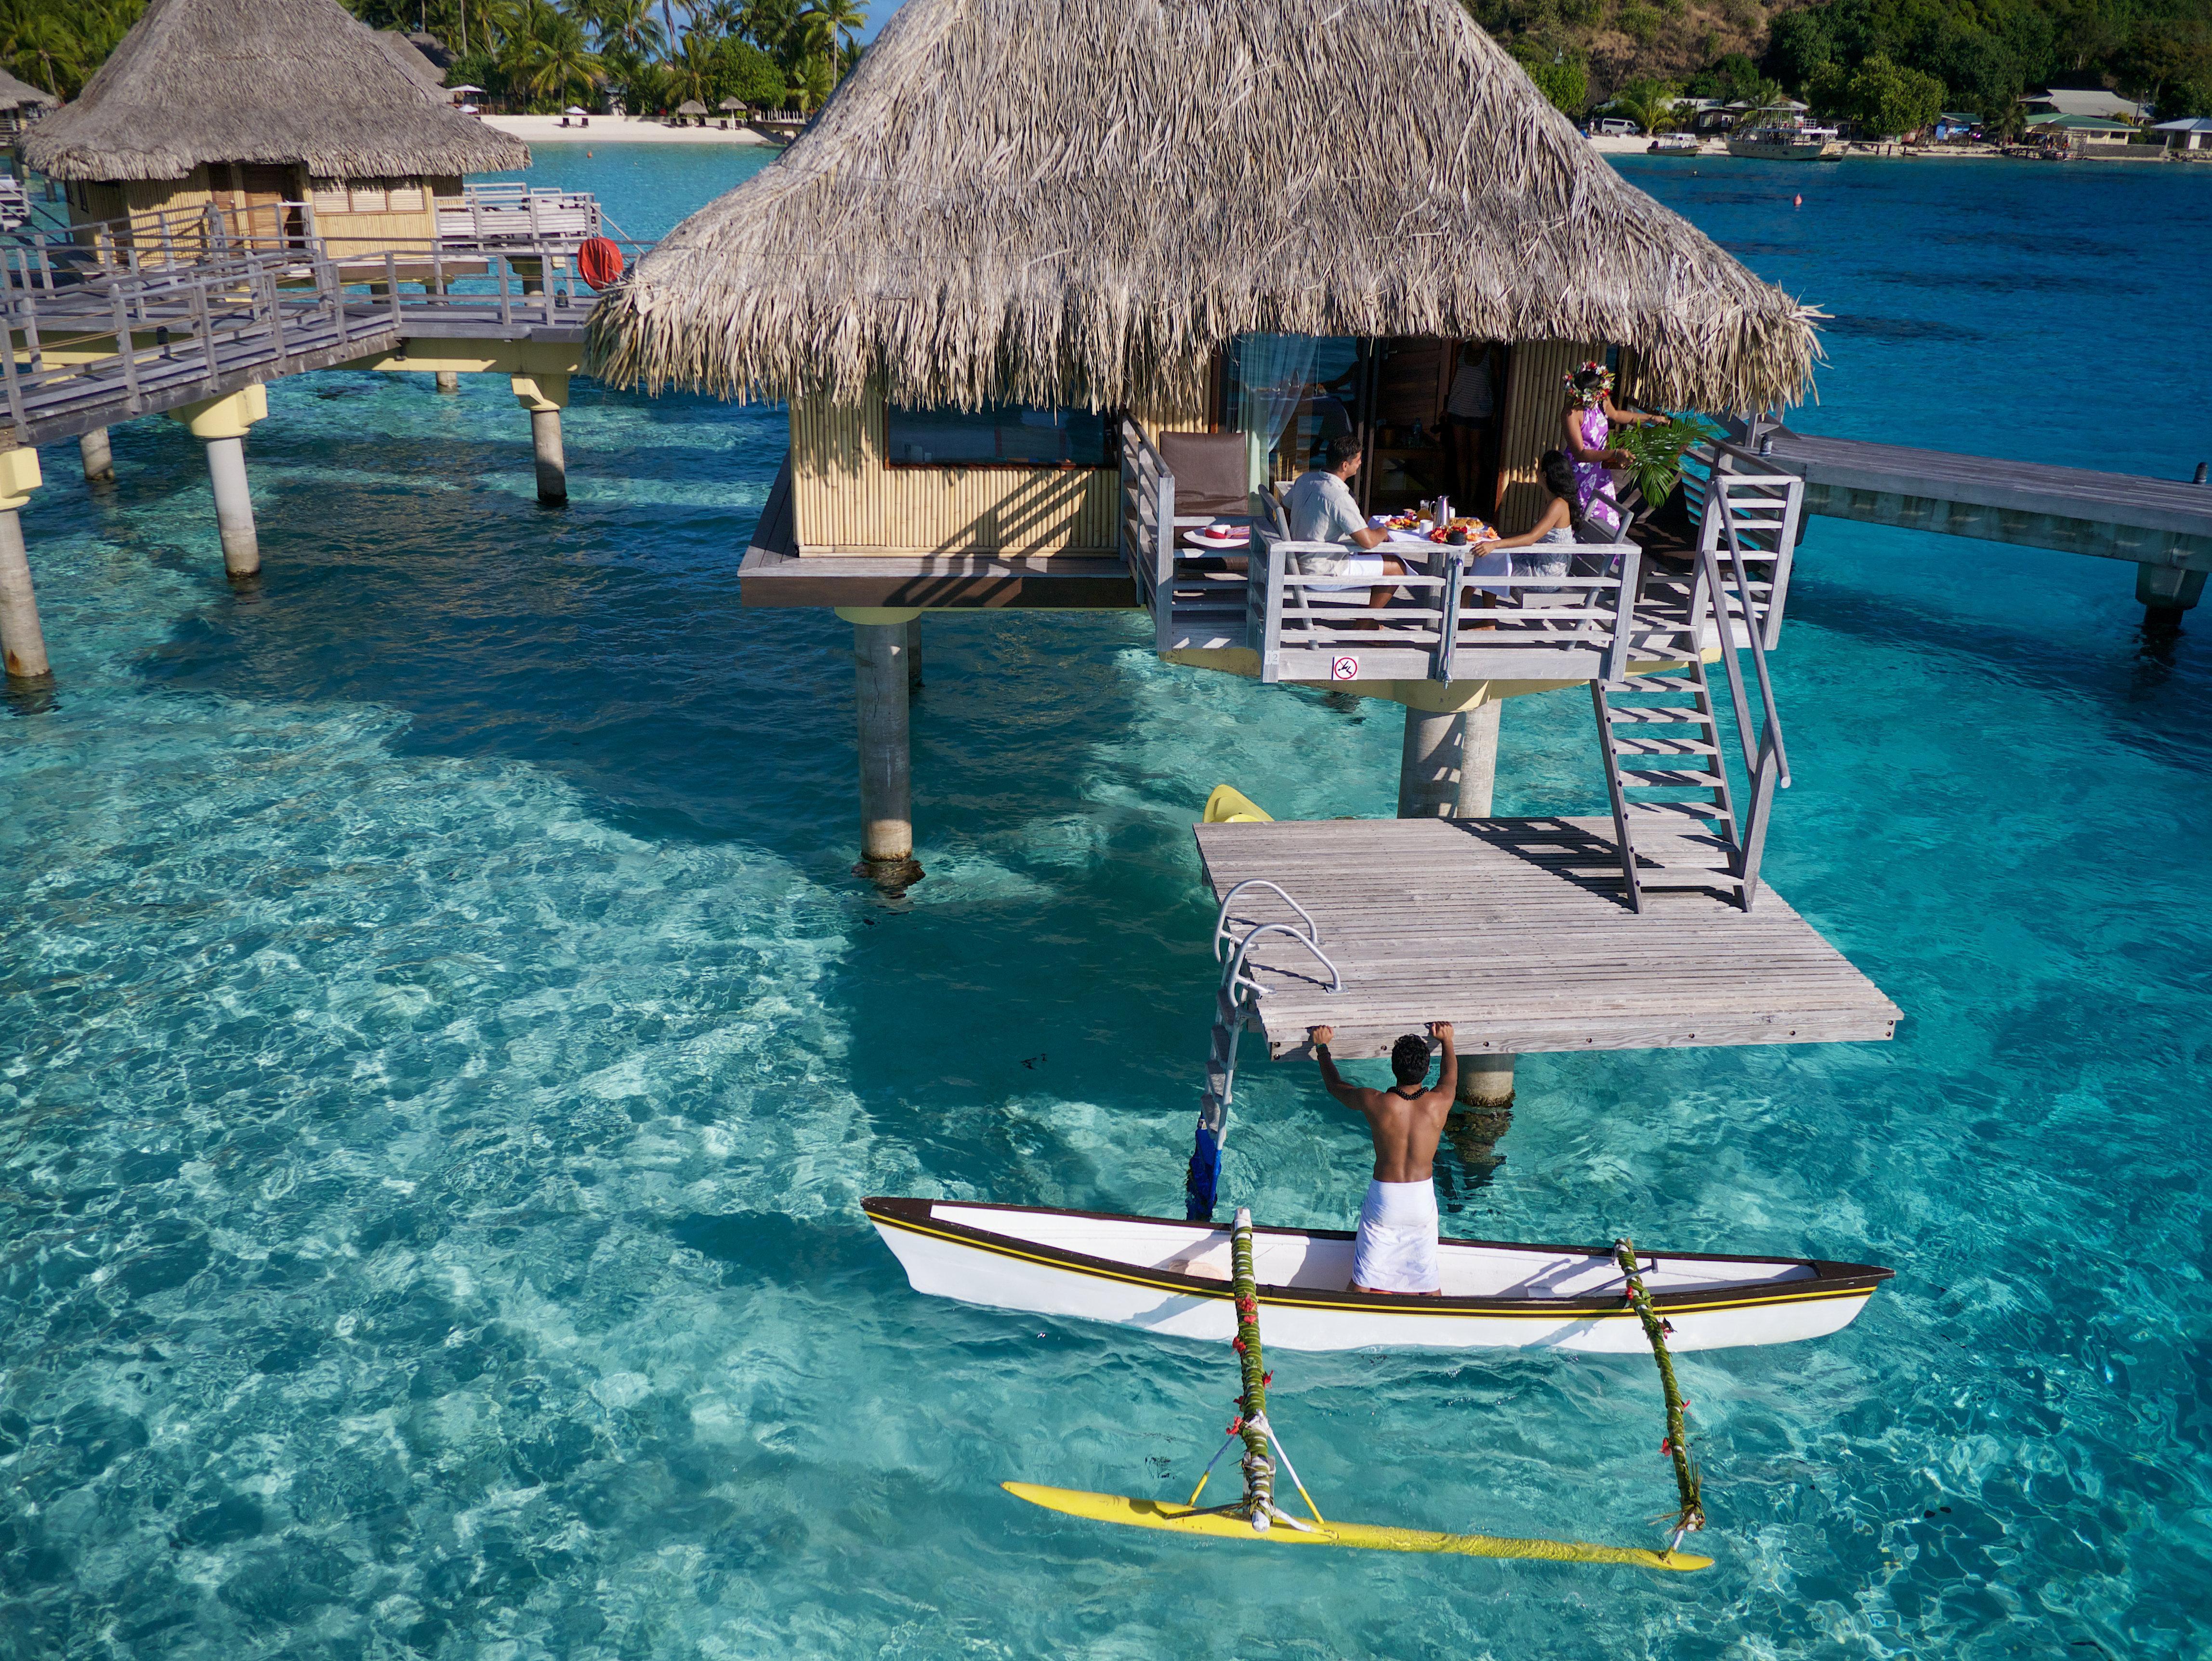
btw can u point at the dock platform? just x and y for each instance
(1518, 932)
(2155, 522)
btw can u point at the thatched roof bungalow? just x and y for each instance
(21, 104)
(257, 107)
(1101, 205)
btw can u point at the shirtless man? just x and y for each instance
(1397, 1247)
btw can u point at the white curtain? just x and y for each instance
(1273, 374)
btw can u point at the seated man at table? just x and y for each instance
(1320, 507)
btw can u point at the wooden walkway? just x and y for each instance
(1518, 932)
(2154, 521)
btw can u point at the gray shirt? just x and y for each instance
(1318, 507)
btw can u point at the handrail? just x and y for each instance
(1236, 976)
(1753, 632)
(1221, 918)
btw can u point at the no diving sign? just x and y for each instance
(1344, 668)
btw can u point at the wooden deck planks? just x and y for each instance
(1516, 931)
(2157, 504)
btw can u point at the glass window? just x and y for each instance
(999, 434)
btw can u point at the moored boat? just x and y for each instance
(1788, 142)
(1172, 1277)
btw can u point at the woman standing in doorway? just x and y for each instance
(1589, 417)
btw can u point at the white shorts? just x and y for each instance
(1367, 567)
(1397, 1247)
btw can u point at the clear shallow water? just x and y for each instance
(441, 1048)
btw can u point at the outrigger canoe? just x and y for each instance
(1172, 1277)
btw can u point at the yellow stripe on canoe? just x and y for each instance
(1181, 1519)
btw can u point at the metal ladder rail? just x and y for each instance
(1763, 758)
(1236, 997)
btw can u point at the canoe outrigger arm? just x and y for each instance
(1234, 1001)
(1255, 1514)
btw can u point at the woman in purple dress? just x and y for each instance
(1589, 418)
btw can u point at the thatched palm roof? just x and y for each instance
(14, 94)
(1074, 201)
(402, 50)
(267, 80)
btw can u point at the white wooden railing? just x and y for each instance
(484, 214)
(1441, 623)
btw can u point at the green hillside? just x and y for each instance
(1986, 52)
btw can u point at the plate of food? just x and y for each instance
(1473, 529)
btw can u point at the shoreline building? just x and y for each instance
(264, 120)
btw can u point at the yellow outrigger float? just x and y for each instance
(1256, 1516)
(1363, 1536)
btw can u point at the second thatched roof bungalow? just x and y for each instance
(270, 113)
(1017, 221)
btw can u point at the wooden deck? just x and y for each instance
(1517, 931)
(2109, 515)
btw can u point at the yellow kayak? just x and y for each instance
(1181, 1519)
(1230, 807)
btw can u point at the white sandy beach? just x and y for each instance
(616, 130)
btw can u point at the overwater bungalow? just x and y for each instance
(21, 104)
(261, 119)
(1021, 244)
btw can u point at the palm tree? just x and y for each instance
(549, 57)
(826, 20)
(1649, 104)
(1763, 94)
(627, 25)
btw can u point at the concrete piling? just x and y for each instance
(448, 381)
(913, 655)
(221, 424)
(98, 457)
(1449, 767)
(545, 396)
(880, 660)
(1485, 1082)
(22, 642)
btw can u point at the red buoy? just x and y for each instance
(601, 261)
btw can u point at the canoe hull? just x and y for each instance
(960, 1251)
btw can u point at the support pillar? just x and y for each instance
(22, 642)
(98, 458)
(1485, 1083)
(1448, 767)
(879, 660)
(2165, 592)
(448, 381)
(221, 424)
(914, 654)
(545, 396)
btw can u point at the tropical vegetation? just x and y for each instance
(650, 56)
(1859, 55)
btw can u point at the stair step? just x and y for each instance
(1705, 854)
(1657, 779)
(1680, 810)
(1655, 684)
(1655, 714)
(1635, 746)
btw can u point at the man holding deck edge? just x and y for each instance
(1396, 1251)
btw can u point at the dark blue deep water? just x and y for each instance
(440, 1049)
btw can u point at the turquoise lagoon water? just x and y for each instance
(442, 1050)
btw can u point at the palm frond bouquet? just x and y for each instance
(1658, 447)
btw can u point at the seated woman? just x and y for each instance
(1542, 551)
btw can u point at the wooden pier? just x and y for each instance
(1519, 932)
(2163, 526)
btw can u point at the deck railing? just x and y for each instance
(1765, 508)
(1442, 623)
(1148, 528)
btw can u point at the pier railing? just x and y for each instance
(1442, 623)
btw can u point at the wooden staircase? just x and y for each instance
(1675, 817)
(1672, 812)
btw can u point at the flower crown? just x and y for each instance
(1590, 396)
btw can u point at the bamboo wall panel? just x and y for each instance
(1535, 399)
(848, 502)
